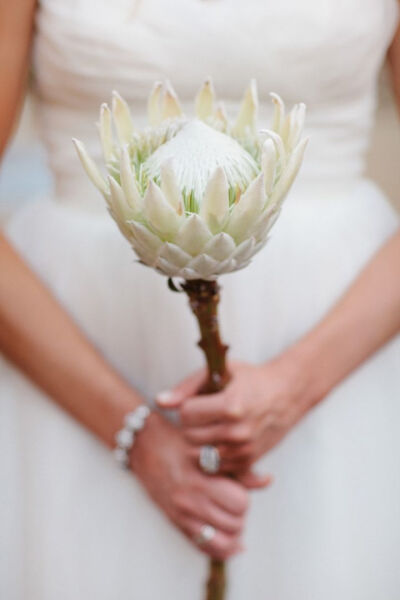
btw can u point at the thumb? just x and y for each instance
(174, 397)
(252, 481)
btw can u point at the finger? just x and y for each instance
(233, 458)
(230, 495)
(252, 481)
(208, 409)
(188, 387)
(221, 433)
(202, 508)
(221, 546)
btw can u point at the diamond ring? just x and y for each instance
(209, 459)
(205, 536)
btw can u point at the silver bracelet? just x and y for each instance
(125, 437)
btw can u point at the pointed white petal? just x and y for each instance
(187, 273)
(106, 132)
(279, 145)
(122, 118)
(174, 255)
(227, 266)
(160, 214)
(279, 112)
(121, 209)
(128, 183)
(245, 250)
(145, 238)
(204, 265)
(265, 222)
(296, 125)
(221, 115)
(247, 210)
(170, 106)
(220, 247)
(167, 268)
(268, 164)
(288, 175)
(193, 235)
(153, 105)
(90, 167)
(215, 204)
(170, 188)
(204, 104)
(247, 117)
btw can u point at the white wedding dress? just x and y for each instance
(72, 526)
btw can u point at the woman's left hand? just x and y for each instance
(250, 416)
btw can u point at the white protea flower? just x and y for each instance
(196, 197)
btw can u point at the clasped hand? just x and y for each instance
(249, 417)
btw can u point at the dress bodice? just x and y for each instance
(326, 53)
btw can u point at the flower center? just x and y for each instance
(197, 150)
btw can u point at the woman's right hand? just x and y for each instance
(189, 498)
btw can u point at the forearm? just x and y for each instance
(365, 318)
(39, 337)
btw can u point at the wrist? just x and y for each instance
(116, 399)
(308, 365)
(298, 371)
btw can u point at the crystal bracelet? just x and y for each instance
(125, 437)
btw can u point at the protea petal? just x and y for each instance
(204, 265)
(265, 223)
(128, 183)
(215, 205)
(174, 255)
(193, 235)
(245, 250)
(288, 176)
(279, 145)
(159, 213)
(247, 210)
(170, 187)
(268, 165)
(153, 105)
(90, 167)
(105, 128)
(170, 105)
(247, 117)
(119, 210)
(279, 112)
(220, 247)
(221, 115)
(122, 118)
(296, 125)
(166, 267)
(145, 238)
(204, 104)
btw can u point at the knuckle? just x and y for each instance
(240, 433)
(233, 408)
(180, 500)
(185, 414)
(242, 501)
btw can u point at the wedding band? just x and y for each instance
(209, 459)
(205, 536)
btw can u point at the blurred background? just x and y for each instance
(24, 175)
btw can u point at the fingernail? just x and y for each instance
(165, 397)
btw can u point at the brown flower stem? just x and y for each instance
(204, 299)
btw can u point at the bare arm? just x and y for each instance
(35, 332)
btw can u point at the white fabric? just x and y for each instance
(71, 525)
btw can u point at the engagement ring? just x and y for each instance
(209, 459)
(205, 536)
